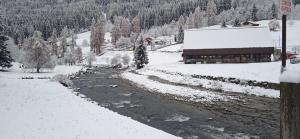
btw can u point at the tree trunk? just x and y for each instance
(38, 68)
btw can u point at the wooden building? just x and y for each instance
(228, 45)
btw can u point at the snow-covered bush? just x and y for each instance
(216, 86)
(63, 79)
(123, 42)
(116, 60)
(78, 55)
(85, 43)
(126, 59)
(91, 58)
(274, 25)
(70, 57)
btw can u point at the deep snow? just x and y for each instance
(39, 108)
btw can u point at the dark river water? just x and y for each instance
(175, 117)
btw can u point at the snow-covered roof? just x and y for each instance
(231, 37)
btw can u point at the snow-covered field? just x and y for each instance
(40, 108)
(187, 94)
(172, 48)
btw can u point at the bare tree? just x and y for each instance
(136, 25)
(98, 38)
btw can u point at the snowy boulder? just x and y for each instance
(63, 79)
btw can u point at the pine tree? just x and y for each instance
(92, 28)
(254, 13)
(223, 25)
(5, 57)
(140, 54)
(65, 32)
(53, 43)
(70, 57)
(62, 48)
(73, 40)
(211, 11)
(180, 35)
(274, 11)
(78, 55)
(236, 23)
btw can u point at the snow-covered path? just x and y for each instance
(43, 109)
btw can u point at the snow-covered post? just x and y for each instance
(290, 105)
(290, 88)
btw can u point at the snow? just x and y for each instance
(83, 36)
(231, 37)
(43, 109)
(172, 48)
(291, 75)
(293, 31)
(210, 84)
(184, 93)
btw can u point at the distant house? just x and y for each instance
(228, 45)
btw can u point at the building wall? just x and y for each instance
(251, 58)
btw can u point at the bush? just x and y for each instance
(116, 60)
(126, 59)
(63, 79)
(123, 43)
(274, 25)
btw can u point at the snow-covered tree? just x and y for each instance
(115, 35)
(274, 11)
(91, 58)
(73, 40)
(53, 43)
(140, 54)
(37, 53)
(123, 43)
(223, 24)
(180, 35)
(78, 55)
(125, 59)
(108, 26)
(274, 25)
(98, 38)
(92, 28)
(197, 17)
(181, 21)
(136, 25)
(254, 13)
(211, 11)
(125, 27)
(70, 57)
(65, 32)
(62, 48)
(5, 57)
(236, 23)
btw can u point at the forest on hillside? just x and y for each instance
(20, 18)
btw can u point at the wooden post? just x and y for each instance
(283, 54)
(290, 111)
